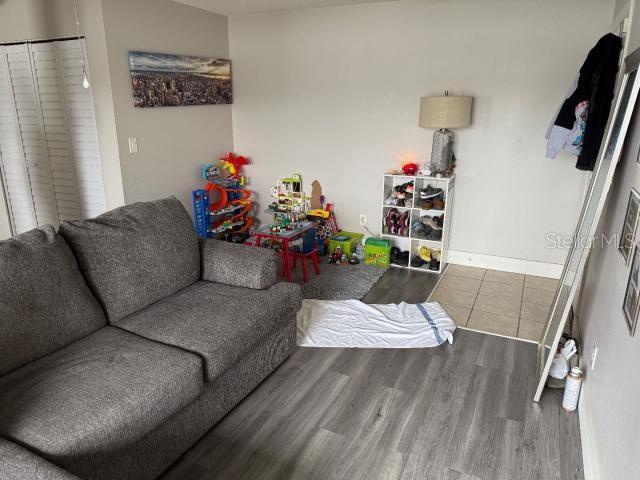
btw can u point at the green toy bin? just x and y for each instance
(346, 240)
(377, 252)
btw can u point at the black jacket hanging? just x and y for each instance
(595, 85)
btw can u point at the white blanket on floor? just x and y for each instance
(351, 323)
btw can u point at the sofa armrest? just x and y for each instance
(18, 463)
(237, 264)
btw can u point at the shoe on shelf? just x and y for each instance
(434, 264)
(406, 187)
(418, 227)
(426, 204)
(391, 200)
(403, 259)
(393, 256)
(402, 221)
(390, 220)
(424, 253)
(438, 204)
(430, 192)
(430, 222)
(439, 220)
(418, 262)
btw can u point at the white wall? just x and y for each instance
(174, 142)
(333, 94)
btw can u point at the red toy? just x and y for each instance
(410, 168)
(234, 164)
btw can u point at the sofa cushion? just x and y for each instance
(135, 255)
(219, 322)
(100, 393)
(45, 303)
(17, 463)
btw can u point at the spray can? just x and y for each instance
(572, 390)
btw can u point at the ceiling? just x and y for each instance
(240, 7)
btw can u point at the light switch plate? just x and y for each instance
(133, 145)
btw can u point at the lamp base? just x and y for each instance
(441, 152)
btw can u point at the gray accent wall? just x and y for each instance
(173, 142)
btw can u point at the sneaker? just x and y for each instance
(430, 192)
(391, 200)
(439, 221)
(403, 259)
(393, 256)
(430, 222)
(434, 264)
(438, 203)
(426, 204)
(401, 222)
(405, 187)
(390, 220)
(418, 262)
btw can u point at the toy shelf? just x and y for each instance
(411, 239)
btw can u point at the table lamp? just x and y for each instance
(443, 113)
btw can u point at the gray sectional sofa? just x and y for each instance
(123, 339)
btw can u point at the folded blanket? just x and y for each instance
(351, 323)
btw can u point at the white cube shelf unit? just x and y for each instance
(409, 239)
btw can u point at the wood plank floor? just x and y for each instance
(402, 285)
(460, 411)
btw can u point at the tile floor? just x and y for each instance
(503, 303)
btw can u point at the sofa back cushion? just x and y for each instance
(135, 255)
(45, 303)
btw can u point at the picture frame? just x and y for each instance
(169, 80)
(631, 300)
(629, 225)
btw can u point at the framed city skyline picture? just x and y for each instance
(166, 80)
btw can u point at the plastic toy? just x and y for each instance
(226, 217)
(316, 195)
(336, 256)
(410, 168)
(290, 200)
(234, 164)
(318, 213)
(377, 252)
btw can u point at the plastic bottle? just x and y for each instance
(572, 390)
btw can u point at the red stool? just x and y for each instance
(312, 255)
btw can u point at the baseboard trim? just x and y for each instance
(587, 440)
(505, 264)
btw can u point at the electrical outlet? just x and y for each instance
(363, 219)
(594, 354)
(133, 145)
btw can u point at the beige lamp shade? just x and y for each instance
(445, 112)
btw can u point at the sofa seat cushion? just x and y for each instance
(17, 463)
(99, 393)
(219, 322)
(135, 255)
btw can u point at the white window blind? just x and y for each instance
(49, 158)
